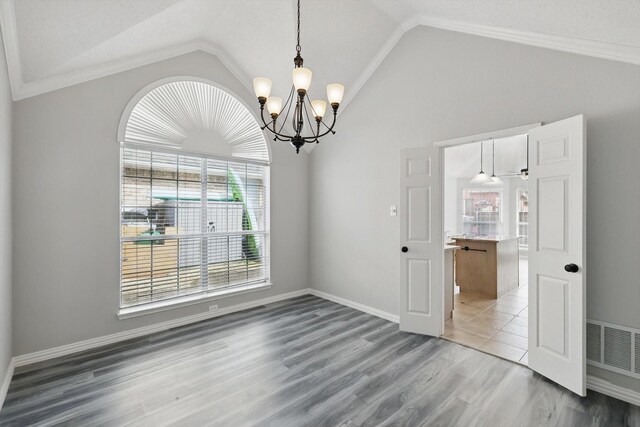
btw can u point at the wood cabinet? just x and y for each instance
(490, 266)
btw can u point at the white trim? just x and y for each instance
(593, 383)
(21, 90)
(179, 150)
(356, 305)
(170, 304)
(11, 48)
(608, 388)
(380, 56)
(597, 49)
(39, 356)
(6, 380)
(496, 134)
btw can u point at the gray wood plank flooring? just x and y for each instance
(301, 362)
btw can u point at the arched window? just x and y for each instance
(194, 197)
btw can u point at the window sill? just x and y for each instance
(156, 307)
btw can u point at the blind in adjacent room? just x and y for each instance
(189, 224)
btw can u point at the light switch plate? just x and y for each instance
(393, 211)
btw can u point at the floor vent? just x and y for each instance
(613, 347)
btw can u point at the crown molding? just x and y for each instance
(10, 42)
(48, 84)
(597, 49)
(610, 51)
(21, 90)
(603, 50)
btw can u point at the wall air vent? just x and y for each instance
(613, 347)
(637, 338)
(594, 342)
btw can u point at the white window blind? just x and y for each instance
(189, 224)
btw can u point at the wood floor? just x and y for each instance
(300, 362)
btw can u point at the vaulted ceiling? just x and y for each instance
(55, 43)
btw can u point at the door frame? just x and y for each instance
(439, 196)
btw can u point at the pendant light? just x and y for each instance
(481, 177)
(495, 180)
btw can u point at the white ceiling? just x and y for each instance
(55, 43)
(463, 161)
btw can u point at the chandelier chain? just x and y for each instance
(298, 48)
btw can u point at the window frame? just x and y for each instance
(206, 295)
(519, 190)
(500, 221)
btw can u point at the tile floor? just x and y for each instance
(498, 327)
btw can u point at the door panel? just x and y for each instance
(552, 197)
(552, 324)
(418, 213)
(557, 298)
(421, 264)
(419, 286)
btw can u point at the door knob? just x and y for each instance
(405, 249)
(571, 268)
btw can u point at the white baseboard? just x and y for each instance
(361, 307)
(606, 387)
(6, 380)
(593, 383)
(39, 356)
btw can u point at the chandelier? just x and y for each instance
(298, 101)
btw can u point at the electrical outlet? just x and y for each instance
(213, 307)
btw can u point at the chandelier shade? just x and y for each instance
(301, 78)
(319, 107)
(274, 105)
(298, 108)
(262, 87)
(335, 92)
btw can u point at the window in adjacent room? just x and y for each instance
(522, 210)
(190, 225)
(481, 211)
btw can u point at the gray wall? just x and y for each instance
(5, 216)
(66, 179)
(435, 85)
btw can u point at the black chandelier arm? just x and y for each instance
(313, 137)
(277, 134)
(287, 107)
(329, 129)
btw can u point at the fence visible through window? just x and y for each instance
(189, 225)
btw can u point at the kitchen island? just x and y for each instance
(488, 265)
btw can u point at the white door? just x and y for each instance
(421, 245)
(557, 280)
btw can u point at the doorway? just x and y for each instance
(556, 246)
(485, 229)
